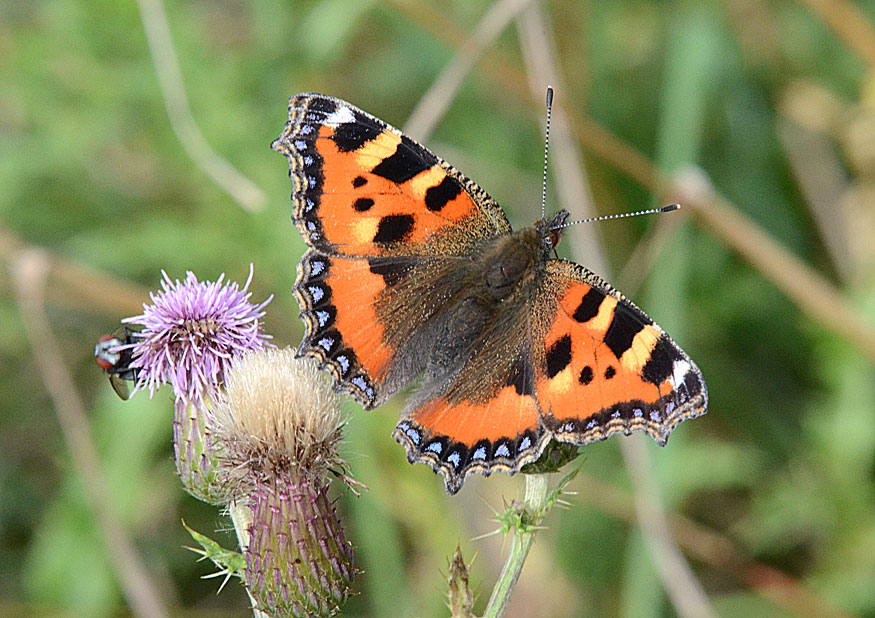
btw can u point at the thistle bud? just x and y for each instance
(199, 457)
(298, 562)
(280, 423)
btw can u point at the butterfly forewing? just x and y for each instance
(604, 366)
(364, 189)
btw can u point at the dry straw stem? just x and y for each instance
(816, 123)
(242, 190)
(849, 24)
(804, 286)
(821, 179)
(436, 101)
(800, 282)
(566, 165)
(687, 595)
(71, 284)
(30, 269)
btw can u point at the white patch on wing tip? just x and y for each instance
(679, 371)
(341, 115)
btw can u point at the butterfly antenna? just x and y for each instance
(546, 152)
(668, 208)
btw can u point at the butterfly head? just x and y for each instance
(551, 231)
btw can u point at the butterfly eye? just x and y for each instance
(554, 228)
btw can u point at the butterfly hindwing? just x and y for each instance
(459, 438)
(328, 307)
(478, 415)
(360, 323)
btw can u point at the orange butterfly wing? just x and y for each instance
(485, 417)
(370, 203)
(364, 189)
(603, 366)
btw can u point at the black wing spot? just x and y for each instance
(520, 377)
(394, 228)
(661, 363)
(558, 356)
(408, 160)
(440, 195)
(589, 305)
(359, 181)
(351, 136)
(362, 204)
(586, 375)
(622, 330)
(693, 383)
(610, 372)
(321, 104)
(391, 270)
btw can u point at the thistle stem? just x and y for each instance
(534, 508)
(241, 515)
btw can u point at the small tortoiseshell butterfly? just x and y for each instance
(413, 270)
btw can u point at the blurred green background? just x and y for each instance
(763, 110)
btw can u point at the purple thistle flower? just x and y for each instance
(190, 333)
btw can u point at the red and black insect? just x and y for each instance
(113, 354)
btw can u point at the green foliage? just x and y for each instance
(779, 470)
(230, 563)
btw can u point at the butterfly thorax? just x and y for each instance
(513, 259)
(507, 262)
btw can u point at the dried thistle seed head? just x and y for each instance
(279, 423)
(278, 412)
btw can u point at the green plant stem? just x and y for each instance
(534, 508)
